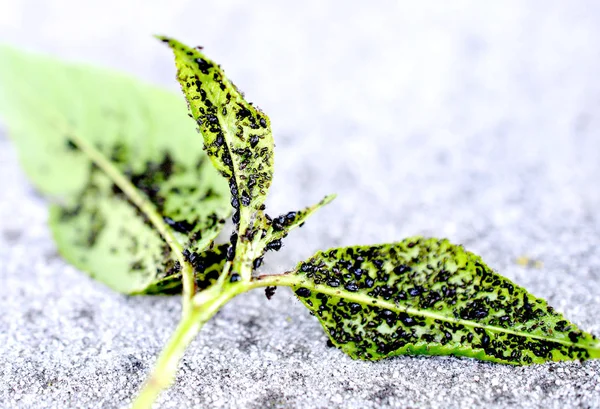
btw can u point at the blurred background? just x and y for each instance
(473, 120)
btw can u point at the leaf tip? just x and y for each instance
(328, 199)
(164, 39)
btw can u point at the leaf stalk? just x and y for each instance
(205, 306)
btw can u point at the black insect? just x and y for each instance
(275, 245)
(270, 292)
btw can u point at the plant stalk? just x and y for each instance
(202, 308)
(192, 321)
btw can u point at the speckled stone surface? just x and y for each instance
(472, 121)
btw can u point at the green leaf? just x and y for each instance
(428, 296)
(237, 135)
(279, 227)
(118, 160)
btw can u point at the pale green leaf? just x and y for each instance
(78, 131)
(237, 135)
(430, 297)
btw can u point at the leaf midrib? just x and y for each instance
(291, 280)
(131, 192)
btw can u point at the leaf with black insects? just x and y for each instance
(237, 135)
(278, 228)
(118, 160)
(430, 297)
(208, 265)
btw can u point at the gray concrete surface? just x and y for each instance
(465, 119)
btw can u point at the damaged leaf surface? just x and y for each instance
(428, 296)
(237, 135)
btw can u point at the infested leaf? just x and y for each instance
(207, 265)
(78, 131)
(279, 227)
(430, 297)
(237, 135)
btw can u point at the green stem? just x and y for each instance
(274, 280)
(197, 310)
(167, 363)
(207, 303)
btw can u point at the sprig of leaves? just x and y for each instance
(136, 205)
